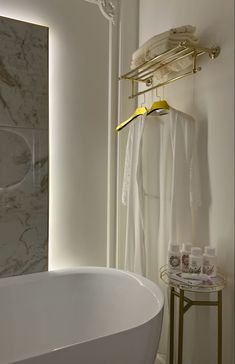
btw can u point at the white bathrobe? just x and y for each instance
(161, 189)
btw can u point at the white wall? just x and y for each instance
(78, 56)
(209, 97)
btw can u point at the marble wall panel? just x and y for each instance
(23, 74)
(23, 147)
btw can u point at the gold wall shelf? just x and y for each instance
(145, 72)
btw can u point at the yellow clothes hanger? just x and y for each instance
(160, 106)
(139, 111)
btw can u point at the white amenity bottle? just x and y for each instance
(209, 262)
(186, 250)
(174, 265)
(195, 260)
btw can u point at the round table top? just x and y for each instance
(176, 281)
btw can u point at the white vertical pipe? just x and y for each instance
(109, 169)
(112, 143)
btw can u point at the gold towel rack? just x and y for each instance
(145, 72)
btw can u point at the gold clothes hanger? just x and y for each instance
(138, 112)
(160, 106)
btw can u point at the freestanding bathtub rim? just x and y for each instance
(35, 277)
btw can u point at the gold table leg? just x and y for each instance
(182, 310)
(172, 320)
(181, 327)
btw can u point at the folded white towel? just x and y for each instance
(171, 40)
(178, 66)
(161, 43)
(157, 50)
(165, 45)
(146, 56)
(163, 73)
(165, 70)
(170, 43)
(183, 30)
(148, 44)
(179, 36)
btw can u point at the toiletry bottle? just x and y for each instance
(186, 250)
(209, 261)
(195, 260)
(174, 265)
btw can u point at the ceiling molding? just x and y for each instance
(109, 8)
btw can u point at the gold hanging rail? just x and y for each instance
(145, 72)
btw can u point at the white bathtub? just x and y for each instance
(80, 316)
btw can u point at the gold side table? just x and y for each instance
(178, 289)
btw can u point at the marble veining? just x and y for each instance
(23, 74)
(15, 158)
(23, 147)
